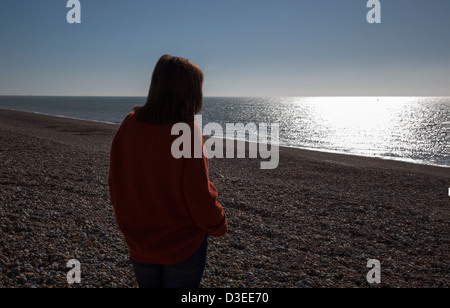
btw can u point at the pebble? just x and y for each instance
(279, 235)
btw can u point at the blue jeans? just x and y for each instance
(187, 274)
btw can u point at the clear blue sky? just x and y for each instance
(244, 47)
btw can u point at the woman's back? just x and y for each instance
(164, 206)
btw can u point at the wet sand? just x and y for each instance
(315, 221)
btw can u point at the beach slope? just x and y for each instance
(315, 221)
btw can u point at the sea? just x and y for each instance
(411, 129)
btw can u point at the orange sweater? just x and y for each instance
(164, 206)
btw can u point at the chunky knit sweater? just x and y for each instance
(164, 206)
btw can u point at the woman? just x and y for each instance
(165, 207)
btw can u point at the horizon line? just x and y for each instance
(221, 96)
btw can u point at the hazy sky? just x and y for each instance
(244, 47)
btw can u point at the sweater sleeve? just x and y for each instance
(201, 197)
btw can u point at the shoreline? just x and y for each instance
(387, 158)
(315, 221)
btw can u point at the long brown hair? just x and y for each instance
(175, 92)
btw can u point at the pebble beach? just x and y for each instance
(315, 221)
